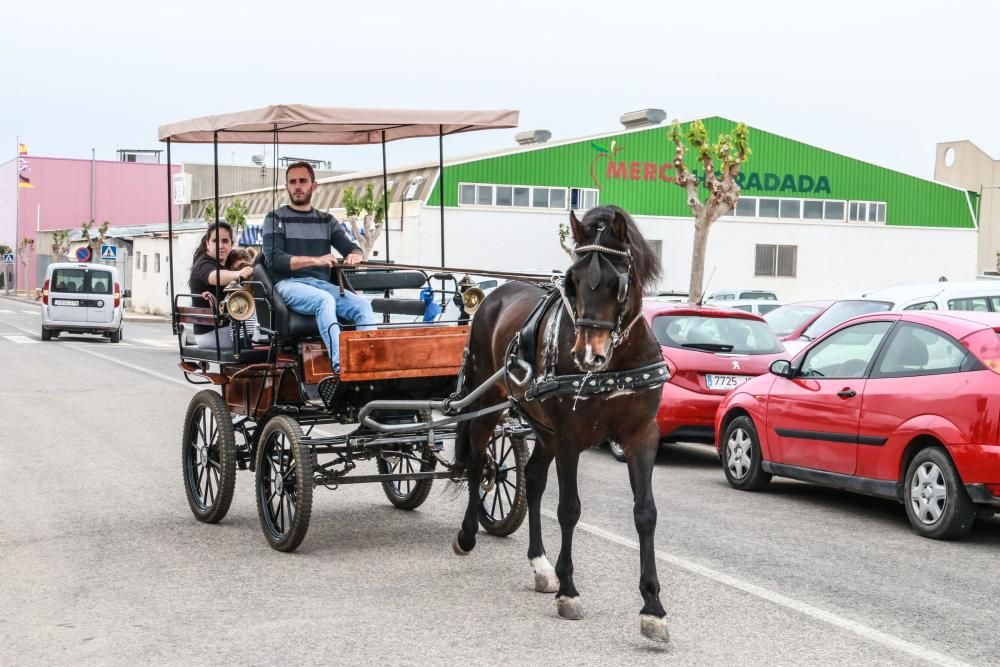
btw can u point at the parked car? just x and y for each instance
(82, 298)
(974, 295)
(899, 405)
(709, 351)
(737, 294)
(755, 306)
(789, 321)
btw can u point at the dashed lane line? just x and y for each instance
(21, 340)
(156, 343)
(859, 629)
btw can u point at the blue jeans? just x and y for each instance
(311, 296)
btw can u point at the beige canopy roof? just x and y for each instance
(302, 124)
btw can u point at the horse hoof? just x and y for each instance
(546, 582)
(569, 608)
(654, 627)
(457, 548)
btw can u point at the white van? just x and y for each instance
(973, 295)
(82, 298)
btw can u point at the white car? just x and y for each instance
(730, 295)
(82, 298)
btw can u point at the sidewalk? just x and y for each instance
(127, 315)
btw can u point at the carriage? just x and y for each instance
(394, 402)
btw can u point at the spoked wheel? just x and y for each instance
(502, 491)
(209, 456)
(284, 483)
(407, 494)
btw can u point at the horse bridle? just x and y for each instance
(597, 253)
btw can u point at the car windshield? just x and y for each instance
(841, 312)
(734, 335)
(759, 296)
(787, 319)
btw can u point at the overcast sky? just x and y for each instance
(881, 81)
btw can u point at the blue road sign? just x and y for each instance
(8, 258)
(83, 254)
(109, 252)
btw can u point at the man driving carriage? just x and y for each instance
(297, 241)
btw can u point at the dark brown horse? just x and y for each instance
(583, 391)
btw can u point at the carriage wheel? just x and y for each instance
(502, 491)
(208, 454)
(284, 479)
(407, 494)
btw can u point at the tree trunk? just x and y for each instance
(696, 286)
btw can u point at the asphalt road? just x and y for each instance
(102, 562)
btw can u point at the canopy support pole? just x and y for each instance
(441, 184)
(170, 234)
(385, 200)
(218, 236)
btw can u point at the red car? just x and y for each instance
(900, 405)
(789, 321)
(709, 351)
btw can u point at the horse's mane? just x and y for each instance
(645, 264)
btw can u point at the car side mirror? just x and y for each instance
(782, 368)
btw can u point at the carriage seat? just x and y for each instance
(255, 356)
(288, 324)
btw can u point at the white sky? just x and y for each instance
(881, 81)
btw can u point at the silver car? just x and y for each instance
(82, 298)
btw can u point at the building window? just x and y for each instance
(866, 211)
(767, 208)
(484, 195)
(582, 199)
(746, 207)
(505, 195)
(522, 196)
(145, 263)
(540, 197)
(467, 195)
(557, 198)
(812, 210)
(475, 194)
(790, 208)
(833, 210)
(138, 260)
(156, 263)
(775, 260)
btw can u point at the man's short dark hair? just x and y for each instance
(301, 165)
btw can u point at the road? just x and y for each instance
(103, 563)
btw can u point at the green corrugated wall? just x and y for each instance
(779, 167)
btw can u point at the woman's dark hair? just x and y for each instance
(202, 248)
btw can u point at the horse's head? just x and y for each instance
(599, 284)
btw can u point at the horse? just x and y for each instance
(597, 376)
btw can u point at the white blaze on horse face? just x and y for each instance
(588, 347)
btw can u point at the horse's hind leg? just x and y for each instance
(567, 598)
(536, 474)
(641, 459)
(474, 436)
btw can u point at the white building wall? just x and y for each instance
(151, 288)
(833, 259)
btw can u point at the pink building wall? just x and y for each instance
(127, 193)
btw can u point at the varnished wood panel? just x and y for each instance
(401, 353)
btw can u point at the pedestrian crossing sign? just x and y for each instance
(109, 252)
(8, 258)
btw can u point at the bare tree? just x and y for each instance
(731, 150)
(25, 249)
(371, 211)
(60, 245)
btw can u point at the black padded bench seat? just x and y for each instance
(204, 354)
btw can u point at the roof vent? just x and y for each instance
(532, 137)
(641, 118)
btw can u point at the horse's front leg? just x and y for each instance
(536, 474)
(567, 598)
(472, 437)
(641, 459)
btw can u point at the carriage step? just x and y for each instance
(328, 390)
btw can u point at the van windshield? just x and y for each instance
(841, 312)
(81, 281)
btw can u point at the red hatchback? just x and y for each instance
(709, 351)
(902, 405)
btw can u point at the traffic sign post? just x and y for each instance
(84, 254)
(8, 258)
(109, 252)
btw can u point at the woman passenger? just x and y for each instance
(209, 277)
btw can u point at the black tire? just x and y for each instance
(116, 336)
(407, 494)
(502, 501)
(616, 450)
(208, 456)
(935, 499)
(46, 334)
(282, 455)
(741, 456)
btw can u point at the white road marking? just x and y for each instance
(21, 339)
(871, 634)
(83, 347)
(26, 312)
(156, 343)
(7, 312)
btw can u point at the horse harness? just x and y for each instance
(523, 346)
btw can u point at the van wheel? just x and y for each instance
(116, 336)
(46, 334)
(936, 502)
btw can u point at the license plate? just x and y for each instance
(65, 302)
(725, 382)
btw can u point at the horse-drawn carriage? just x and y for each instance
(536, 348)
(394, 381)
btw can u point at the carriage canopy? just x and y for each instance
(304, 124)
